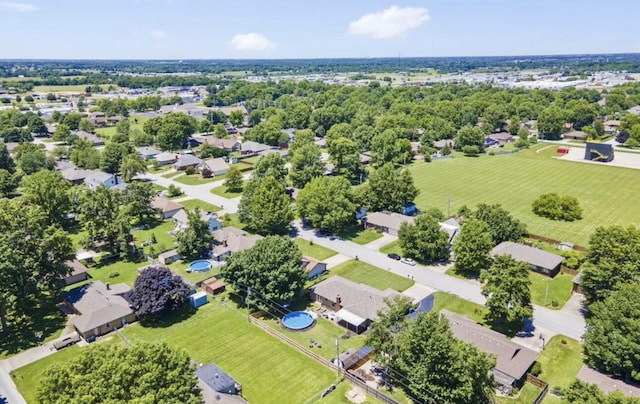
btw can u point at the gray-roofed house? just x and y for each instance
(387, 222)
(228, 144)
(147, 152)
(356, 304)
(165, 206)
(166, 158)
(96, 178)
(575, 135)
(168, 257)
(251, 147)
(501, 137)
(440, 144)
(513, 360)
(213, 167)
(538, 260)
(78, 272)
(217, 386)
(182, 219)
(75, 176)
(186, 160)
(452, 227)
(94, 138)
(99, 308)
(230, 239)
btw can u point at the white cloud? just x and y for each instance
(251, 42)
(158, 34)
(19, 7)
(389, 23)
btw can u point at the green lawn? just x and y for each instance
(160, 229)
(191, 204)
(338, 396)
(526, 395)
(444, 300)
(126, 271)
(560, 362)
(136, 122)
(515, 180)
(180, 267)
(313, 250)
(393, 246)
(222, 191)
(270, 371)
(196, 179)
(359, 235)
(559, 290)
(361, 272)
(172, 174)
(231, 219)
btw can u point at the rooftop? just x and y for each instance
(531, 255)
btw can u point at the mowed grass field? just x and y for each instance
(607, 194)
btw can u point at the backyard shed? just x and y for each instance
(213, 285)
(198, 299)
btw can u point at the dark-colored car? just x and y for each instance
(394, 256)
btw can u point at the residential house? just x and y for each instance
(182, 220)
(213, 167)
(94, 138)
(441, 144)
(386, 222)
(113, 120)
(251, 147)
(78, 272)
(229, 144)
(186, 160)
(611, 126)
(166, 158)
(634, 110)
(452, 227)
(230, 239)
(147, 152)
(490, 142)
(538, 260)
(99, 308)
(167, 257)
(96, 178)
(356, 305)
(11, 146)
(51, 128)
(501, 137)
(313, 267)
(165, 206)
(513, 361)
(229, 109)
(575, 135)
(230, 129)
(217, 386)
(98, 121)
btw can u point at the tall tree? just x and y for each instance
(470, 136)
(327, 202)
(195, 239)
(32, 256)
(8, 183)
(472, 246)
(423, 240)
(138, 195)
(265, 206)
(268, 273)
(389, 189)
(236, 117)
(391, 321)
(345, 155)
(157, 290)
(131, 165)
(550, 121)
(506, 285)
(390, 146)
(233, 179)
(502, 226)
(140, 373)
(272, 164)
(6, 162)
(305, 165)
(48, 190)
(112, 156)
(611, 342)
(613, 260)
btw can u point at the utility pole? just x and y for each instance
(246, 302)
(338, 356)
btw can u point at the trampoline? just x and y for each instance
(200, 266)
(297, 320)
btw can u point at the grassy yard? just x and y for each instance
(126, 271)
(515, 180)
(361, 272)
(159, 229)
(560, 362)
(231, 219)
(392, 247)
(172, 174)
(359, 235)
(180, 267)
(559, 289)
(526, 395)
(191, 204)
(223, 192)
(136, 122)
(196, 179)
(269, 370)
(338, 396)
(444, 300)
(313, 250)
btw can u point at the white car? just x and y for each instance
(408, 261)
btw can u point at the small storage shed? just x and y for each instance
(198, 299)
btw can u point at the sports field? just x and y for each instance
(608, 195)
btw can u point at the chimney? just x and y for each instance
(338, 305)
(225, 242)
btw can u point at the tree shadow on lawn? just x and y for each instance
(509, 329)
(168, 319)
(43, 317)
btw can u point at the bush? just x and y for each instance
(190, 170)
(556, 391)
(554, 303)
(471, 151)
(536, 369)
(521, 143)
(114, 274)
(174, 190)
(557, 207)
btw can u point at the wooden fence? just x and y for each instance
(351, 378)
(552, 241)
(544, 387)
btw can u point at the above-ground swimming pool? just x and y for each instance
(200, 266)
(297, 320)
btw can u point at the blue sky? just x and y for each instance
(231, 29)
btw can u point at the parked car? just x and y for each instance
(408, 261)
(66, 341)
(393, 256)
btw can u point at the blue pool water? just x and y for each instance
(297, 320)
(200, 266)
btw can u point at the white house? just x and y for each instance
(182, 220)
(97, 178)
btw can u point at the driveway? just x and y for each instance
(382, 241)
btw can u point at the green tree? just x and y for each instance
(423, 240)
(31, 258)
(506, 285)
(327, 202)
(112, 156)
(345, 155)
(613, 331)
(265, 206)
(470, 136)
(557, 207)
(62, 133)
(272, 164)
(233, 179)
(305, 164)
(390, 146)
(472, 246)
(391, 321)
(84, 155)
(48, 190)
(236, 117)
(140, 373)
(131, 165)
(137, 196)
(6, 162)
(580, 392)
(502, 226)
(8, 183)
(389, 189)
(195, 239)
(123, 129)
(612, 261)
(432, 365)
(550, 121)
(268, 273)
